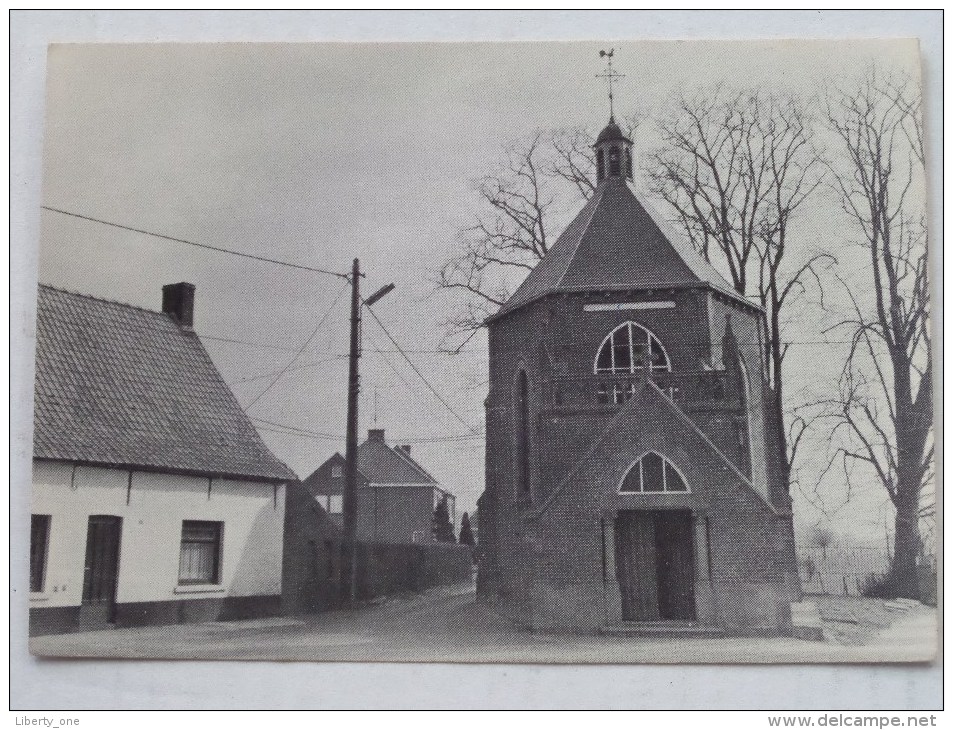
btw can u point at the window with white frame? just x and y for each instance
(653, 473)
(200, 558)
(335, 504)
(628, 348)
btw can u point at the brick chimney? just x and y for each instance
(178, 301)
(375, 434)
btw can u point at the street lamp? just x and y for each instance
(349, 507)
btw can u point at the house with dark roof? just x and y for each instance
(396, 496)
(154, 498)
(633, 480)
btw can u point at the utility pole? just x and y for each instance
(349, 507)
(349, 543)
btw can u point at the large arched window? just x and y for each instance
(653, 473)
(628, 348)
(522, 441)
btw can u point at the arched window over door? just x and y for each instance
(652, 472)
(628, 348)
(522, 439)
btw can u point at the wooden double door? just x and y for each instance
(655, 565)
(101, 571)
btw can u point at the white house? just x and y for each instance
(154, 498)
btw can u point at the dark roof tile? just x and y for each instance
(382, 464)
(124, 386)
(617, 241)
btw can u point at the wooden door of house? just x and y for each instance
(655, 565)
(101, 571)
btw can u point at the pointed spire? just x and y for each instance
(613, 148)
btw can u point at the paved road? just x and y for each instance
(447, 625)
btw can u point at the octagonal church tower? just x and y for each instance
(632, 464)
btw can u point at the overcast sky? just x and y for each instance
(320, 153)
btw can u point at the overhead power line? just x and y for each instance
(301, 349)
(419, 374)
(302, 366)
(374, 350)
(194, 243)
(388, 362)
(320, 435)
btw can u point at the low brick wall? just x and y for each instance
(386, 568)
(311, 572)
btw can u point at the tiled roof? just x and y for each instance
(382, 464)
(617, 241)
(320, 479)
(119, 385)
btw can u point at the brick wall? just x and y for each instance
(385, 512)
(311, 566)
(548, 572)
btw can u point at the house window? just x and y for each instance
(335, 504)
(627, 348)
(336, 471)
(201, 555)
(653, 473)
(39, 542)
(522, 436)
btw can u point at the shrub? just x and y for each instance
(877, 585)
(886, 585)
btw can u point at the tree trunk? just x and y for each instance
(903, 571)
(912, 426)
(776, 392)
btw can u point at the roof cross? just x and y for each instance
(610, 76)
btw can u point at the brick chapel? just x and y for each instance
(632, 463)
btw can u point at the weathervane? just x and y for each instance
(610, 76)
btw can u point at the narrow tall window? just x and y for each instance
(522, 436)
(615, 164)
(201, 555)
(600, 166)
(39, 543)
(628, 163)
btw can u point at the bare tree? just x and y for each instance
(519, 206)
(885, 404)
(510, 235)
(735, 166)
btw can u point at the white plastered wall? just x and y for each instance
(252, 513)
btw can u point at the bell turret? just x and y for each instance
(613, 153)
